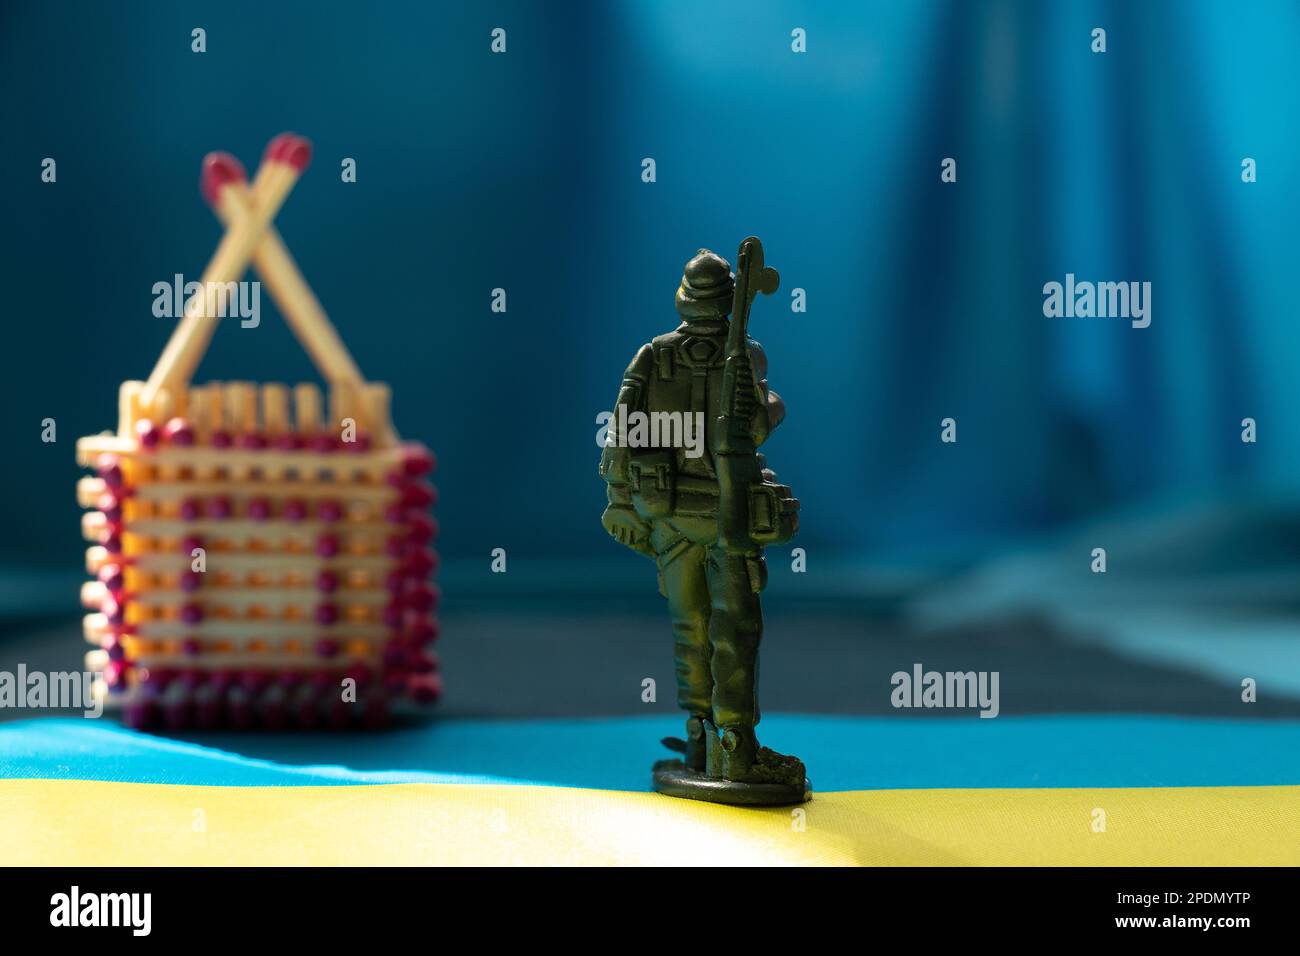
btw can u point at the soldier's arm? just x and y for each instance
(615, 455)
(771, 409)
(620, 518)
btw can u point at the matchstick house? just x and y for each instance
(262, 554)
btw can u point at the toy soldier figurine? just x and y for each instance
(703, 511)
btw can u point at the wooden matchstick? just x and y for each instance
(261, 660)
(311, 465)
(93, 594)
(374, 565)
(95, 628)
(284, 161)
(95, 527)
(225, 187)
(89, 490)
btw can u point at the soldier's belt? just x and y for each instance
(696, 497)
(652, 479)
(773, 509)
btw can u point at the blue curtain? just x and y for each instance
(523, 171)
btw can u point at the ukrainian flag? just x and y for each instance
(1019, 790)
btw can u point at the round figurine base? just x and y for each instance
(673, 779)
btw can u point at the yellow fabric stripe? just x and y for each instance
(87, 823)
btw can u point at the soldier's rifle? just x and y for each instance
(735, 454)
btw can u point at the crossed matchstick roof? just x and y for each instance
(247, 212)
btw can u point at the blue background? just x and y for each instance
(522, 171)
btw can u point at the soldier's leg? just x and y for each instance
(683, 580)
(735, 629)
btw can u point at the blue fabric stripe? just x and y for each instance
(842, 753)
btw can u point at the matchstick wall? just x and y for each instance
(258, 562)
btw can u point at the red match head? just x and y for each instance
(219, 169)
(291, 149)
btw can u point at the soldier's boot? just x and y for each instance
(734, 754)
(695, 756)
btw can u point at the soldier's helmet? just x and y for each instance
(706, 289)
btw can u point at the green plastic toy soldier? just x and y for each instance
(688, 488)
